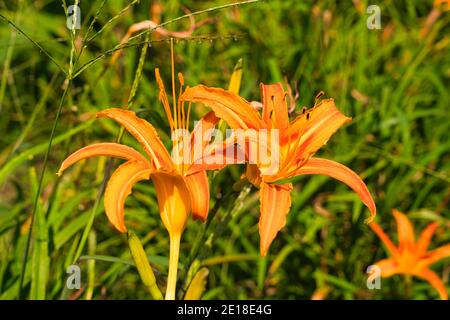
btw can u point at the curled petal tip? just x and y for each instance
(370, 219)
(100, 113)
(199, 217)
(121, 229)
(373, 214)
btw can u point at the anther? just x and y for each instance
(319, 95)
(181, 78)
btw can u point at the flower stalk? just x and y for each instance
(173, 266)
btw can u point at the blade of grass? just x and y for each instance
(40, 259)
(34, 42)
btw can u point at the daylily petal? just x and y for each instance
(253, 174)
(144, 132)
(435, 281)
(174, 201)
(437, 254)
(275, 110)
(384, 238)
(339, 172)
(216, 156)
(198, 186)
(236, 111)
(119, 187)
(388, 267)
(102, 149)
(405, 230)
(315, 128)
(425, 237)
(203, 131)
(275, 204)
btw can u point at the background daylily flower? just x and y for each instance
(298, 141)
(411, 257)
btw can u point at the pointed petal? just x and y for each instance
(425, 237)
(342, 173)
(102, 149)
(198, 186)
(275, 204)
(203, 130)
(392, 249)
(236, 111)
(119, 187)
(144, 132)
(200, 138)
(173, 200)
(315, 128)
(216, 156)
(275, 109)
(405, 230)
(388, 267)
(437, 254)
(435, 281)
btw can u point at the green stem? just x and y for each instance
(173, 266)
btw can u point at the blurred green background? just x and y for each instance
(394, 82)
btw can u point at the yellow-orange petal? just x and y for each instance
(314, 128)
(198, 186)
(203, 131)
(388, 267)
(216, 156)
(144, 132)
(425, 237)
(437, 254)
(102, 149)
(275, 204)
(342, 173)
(405, 231)
(174, 201)
(275, 109)
(435, 282)
(234, 110)
(392, 249)
(119, 187)
(253, 174)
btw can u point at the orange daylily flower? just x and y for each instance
(178, 189)
(298, 141)
(410, 256)
(171, 179)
